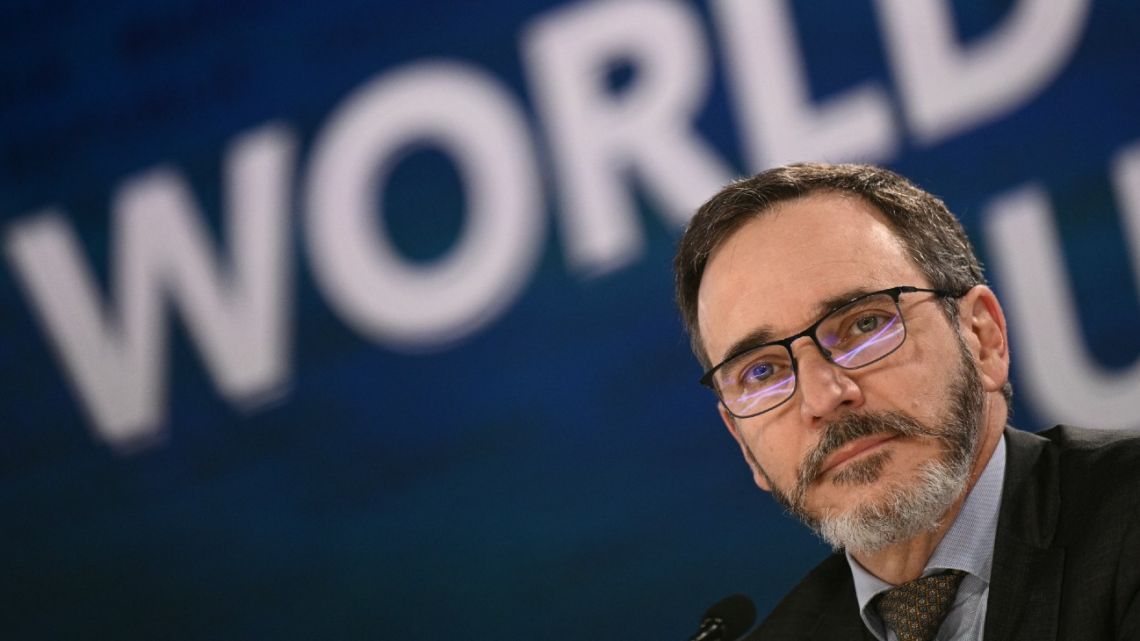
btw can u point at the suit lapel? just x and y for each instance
(840, 626)
(841, 622)
(1025, 586)
(1025, 593)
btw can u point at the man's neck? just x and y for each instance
(904, 561)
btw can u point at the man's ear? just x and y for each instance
(983, 325)
(757, 475)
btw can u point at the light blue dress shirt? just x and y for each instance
(967, 546)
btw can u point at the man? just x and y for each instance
(861, 363)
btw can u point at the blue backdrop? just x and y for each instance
(435, 386)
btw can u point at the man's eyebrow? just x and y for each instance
(765, 334)
(755, 338)
(832, 303)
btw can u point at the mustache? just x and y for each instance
(848, 428)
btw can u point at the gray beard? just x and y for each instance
(905, 509)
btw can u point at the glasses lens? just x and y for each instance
(863, 331)
(756, 381)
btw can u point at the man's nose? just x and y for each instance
(824, 387)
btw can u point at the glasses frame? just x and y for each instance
(894, 292)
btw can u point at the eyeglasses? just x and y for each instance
(856, 334)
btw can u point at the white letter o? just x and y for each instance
(468, 116)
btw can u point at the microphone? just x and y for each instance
(727, 619)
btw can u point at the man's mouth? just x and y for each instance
(855, 449)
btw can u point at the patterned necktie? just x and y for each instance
(915, 610)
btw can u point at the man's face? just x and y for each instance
(889, 440)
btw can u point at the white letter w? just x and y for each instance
(114, 353)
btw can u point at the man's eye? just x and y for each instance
(758, 373)
(866, 324)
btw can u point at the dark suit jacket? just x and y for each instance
(1066, 556)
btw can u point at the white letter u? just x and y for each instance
(1061, 378)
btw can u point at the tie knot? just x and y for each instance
(915, 610)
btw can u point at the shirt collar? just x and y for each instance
(969, 543)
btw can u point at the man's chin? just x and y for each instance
(877, 515)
